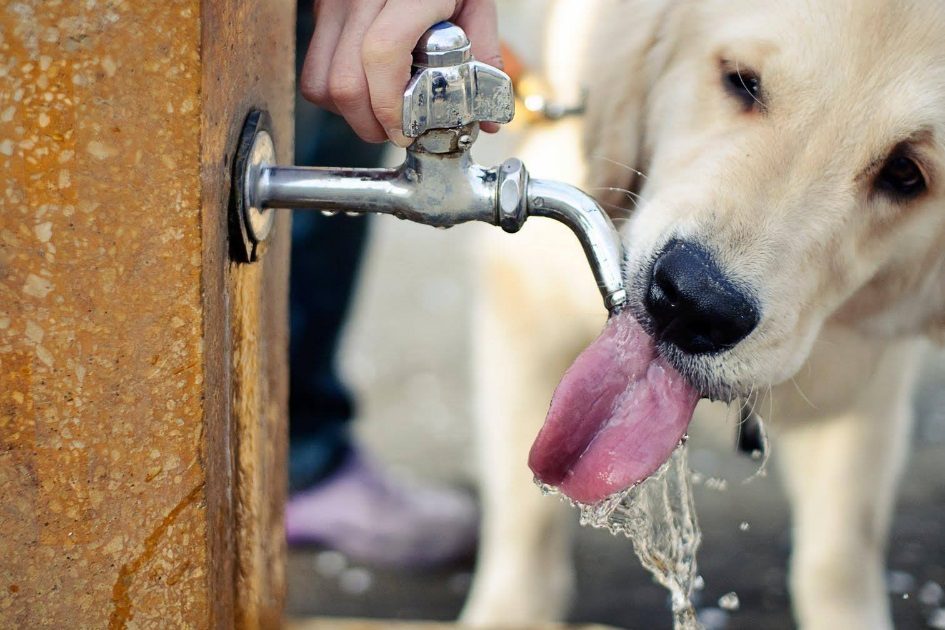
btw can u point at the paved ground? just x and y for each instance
(614, 590)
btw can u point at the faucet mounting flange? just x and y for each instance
(250, 222)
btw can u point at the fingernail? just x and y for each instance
(397, 137)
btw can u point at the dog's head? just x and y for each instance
(794, 160)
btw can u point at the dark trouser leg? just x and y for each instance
(326, 252)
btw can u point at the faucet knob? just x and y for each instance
(449, 88)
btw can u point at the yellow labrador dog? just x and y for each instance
(787, 159)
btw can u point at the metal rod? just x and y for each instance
(593, 228)
(450, 181)
(441, 190)
(373, 190)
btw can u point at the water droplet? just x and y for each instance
(716, 483)
(355, 581)
(936, 619)
(713, 618)
(329, 213)
(744, 526)
(931, 594)
(352, 214)
(698, 583)
(899, 582)
(729, 601)
(330, 563)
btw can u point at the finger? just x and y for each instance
(313, 82)
(347, 82)
(481, 22)
(387, 55)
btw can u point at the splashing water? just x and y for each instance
(658, 515)
(729, 601)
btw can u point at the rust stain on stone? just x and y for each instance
(115, 362)
(121, 598)
(100, 268)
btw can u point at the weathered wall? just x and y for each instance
(131, 463)
(249, 47)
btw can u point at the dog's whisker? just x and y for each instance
(757, 401)
(801, 392)
(750, 401)
(729, 408)
(620, 164)
(746, 403)
(635, 197)
(632, 196)
(770, 403)
(766, 449)
(739, 410)
(747, 89)
(611, 206)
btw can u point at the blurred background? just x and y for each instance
(404, 355)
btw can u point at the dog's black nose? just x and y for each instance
(693, 305)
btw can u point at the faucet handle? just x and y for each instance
(449, 88)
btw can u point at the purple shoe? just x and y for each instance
(372, 518)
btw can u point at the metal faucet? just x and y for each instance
(439, 183)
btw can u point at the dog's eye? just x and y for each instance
(901, 177)
(744, 85)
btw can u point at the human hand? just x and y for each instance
(358, 62)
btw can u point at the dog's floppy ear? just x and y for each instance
(627, 50)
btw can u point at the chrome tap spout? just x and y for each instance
(593, 228)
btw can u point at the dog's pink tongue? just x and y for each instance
(617, 415)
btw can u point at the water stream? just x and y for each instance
(659, 517)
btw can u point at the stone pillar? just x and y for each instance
(143, 381)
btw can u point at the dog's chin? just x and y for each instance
(706, 373)
(702, 375)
